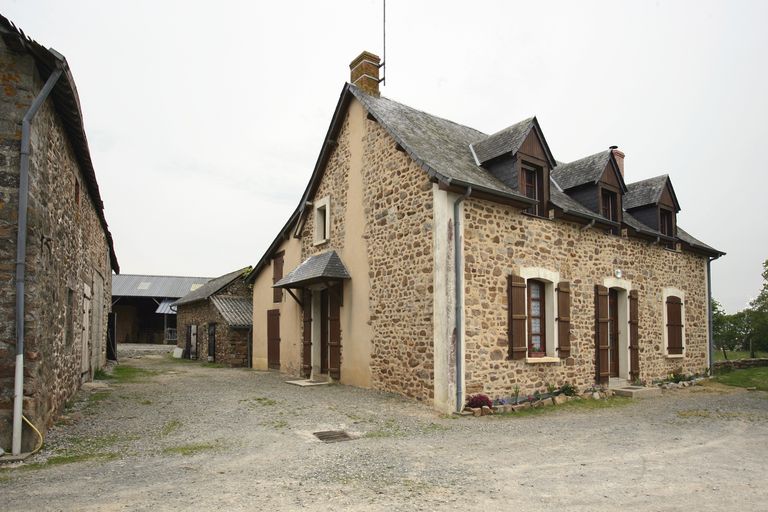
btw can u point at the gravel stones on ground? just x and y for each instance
(192, 437)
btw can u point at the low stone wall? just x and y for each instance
(739, 364)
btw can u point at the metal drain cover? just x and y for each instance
(332, 436)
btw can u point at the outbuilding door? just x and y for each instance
(273, 339)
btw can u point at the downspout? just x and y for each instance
(21, 251)
(458, 268)
(709, 316)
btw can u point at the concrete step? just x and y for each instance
(637, 392)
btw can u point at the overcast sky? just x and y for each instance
(205, 118)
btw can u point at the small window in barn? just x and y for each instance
(77, 192)
(322, 220)
(674, 322)
(69, 327)
(277, 274)
(533, 187)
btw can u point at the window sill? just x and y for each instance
(541, 360)
(321, 242)
(675, 356)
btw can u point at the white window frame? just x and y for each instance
(550, 279)
(672, 292)
(322, 222)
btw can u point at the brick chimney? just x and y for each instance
(364, 72)
(619, 156)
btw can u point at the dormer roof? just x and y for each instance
(649, 192)
(587, 170)
(508, 141)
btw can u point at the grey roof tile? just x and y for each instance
(504, 141)
(685, 237)
(585, 170)
(211, 287)
(317, 268)
(236, 311)
(439, 146)
(645, 192)
(172, 287)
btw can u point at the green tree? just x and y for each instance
(720, 329)
(758, 316)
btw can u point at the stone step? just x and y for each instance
(637, 392)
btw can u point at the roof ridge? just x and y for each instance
(123, 274)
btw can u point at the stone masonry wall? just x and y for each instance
(499, 240)
(231, 344)
(398, 210)
(67, 257)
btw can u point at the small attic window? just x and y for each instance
(667, 225)
(533, 187)
(322, 220)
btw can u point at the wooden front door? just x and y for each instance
(613, 331)
(602, 345)
(273, 339)
(324, 331)
(334, 333)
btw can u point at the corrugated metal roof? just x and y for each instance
(165, 308)
(172, 287)
(237, 311)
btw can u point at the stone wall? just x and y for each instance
(398, 211)
(740, 364)
(499, 241)
(231, 344)
(67, 258)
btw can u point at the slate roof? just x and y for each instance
(439, 146)
(693, 242)
(573, 207)
(211, 287)
(645, 192)
(502, 142)
(172, 287)
(585, 170)
(318, 268)
(67, 104)
(236, 311)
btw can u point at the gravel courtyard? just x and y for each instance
(174, 435)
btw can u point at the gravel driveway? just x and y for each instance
(189, 436)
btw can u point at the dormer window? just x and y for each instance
(610, 205)
(533, 187)
(667, 225)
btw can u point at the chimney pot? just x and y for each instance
(364, 72)
(619, 156)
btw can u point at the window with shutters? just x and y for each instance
(538, 316)
(322, 220)
(674, 322)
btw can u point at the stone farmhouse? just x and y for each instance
(56, 251)
(215, 320)
(432, 260)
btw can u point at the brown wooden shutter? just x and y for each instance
(273, 339)
(634, 340)
(277, 274)
(602, 369)
(306, 344)
(516, 317)
(564, 319)
(334, 333)
(674, 325)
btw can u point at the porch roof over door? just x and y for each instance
(321, 268)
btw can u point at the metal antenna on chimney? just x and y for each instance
(383, 64)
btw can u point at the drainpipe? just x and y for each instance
(709, 316)
(458, 270)
(21, 250)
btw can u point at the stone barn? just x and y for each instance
(215, 321)
(56, 251)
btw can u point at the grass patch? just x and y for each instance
(260, 400)
(100, 374)
(122, 374)
(189, 449)
(746, 378)
(145, 402)
(737, 354)
(389, 429)
(98, 396)
(76, 457)
(170, 427)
